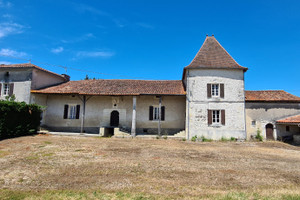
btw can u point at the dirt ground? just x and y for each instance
(159, 168)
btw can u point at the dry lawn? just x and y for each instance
(64, 167)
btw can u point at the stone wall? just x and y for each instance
(198, 103)
(263, 113)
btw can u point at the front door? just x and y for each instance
(269, 132)
(114, 118)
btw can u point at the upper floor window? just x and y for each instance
(6, 89)
(215, 90)
(154, 113)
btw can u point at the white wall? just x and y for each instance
(98, 109)
(41, 79)
(198, 103)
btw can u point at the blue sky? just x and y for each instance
(154, 39)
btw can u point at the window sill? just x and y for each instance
(216, 125)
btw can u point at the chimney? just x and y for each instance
(67, 77)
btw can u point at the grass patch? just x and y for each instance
(47, 142)
(3, 153)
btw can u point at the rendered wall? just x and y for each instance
(41, 79)
(198, 103)
(265, 113)
(98, 109)
(22, 83)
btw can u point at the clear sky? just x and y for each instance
(154, 39)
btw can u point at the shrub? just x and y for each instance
(258, 135)
(204, 139)
(18, 119)
(194, 138)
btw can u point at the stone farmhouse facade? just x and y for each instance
(209, 101)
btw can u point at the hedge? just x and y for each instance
(18, 119)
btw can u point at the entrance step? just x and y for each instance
(180, 134)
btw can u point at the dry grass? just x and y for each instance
(59, 167)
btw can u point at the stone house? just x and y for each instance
(209, 101)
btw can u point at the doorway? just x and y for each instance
(114, 118)
(269, 131)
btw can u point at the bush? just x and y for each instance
(18, 119)
(194, 138)
(258, 135)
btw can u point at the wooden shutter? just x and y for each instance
(11, 89)
(0, 88)
(151, 113)
(163, 113)
(66, 109)
(77, 111)
(209, 117)
(208, 90)
(222, 90)
(223, 117)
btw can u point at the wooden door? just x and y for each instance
(269, 132)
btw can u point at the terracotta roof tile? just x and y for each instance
(116, 87)
(213, 55)
(29, 65)
(290, 120)
(270, 96)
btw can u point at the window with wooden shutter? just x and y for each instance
(222, 90)
(66, 109)
(163, 113)
(11, 89)
(223, 117)
(150, 112)
(77, 111)
(209, 117)
(208, 90)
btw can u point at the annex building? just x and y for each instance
(210, 101)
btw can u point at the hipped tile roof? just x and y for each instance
(213, 55)
(29, 65)
(290, 120)
(270, 96)
(116, 87)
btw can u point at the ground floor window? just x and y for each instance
(216, 117)
(71, 111)
(154, 113)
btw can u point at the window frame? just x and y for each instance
(218, 120)
(5, 90)
(215, 90)
(155, 113)
(70, 110)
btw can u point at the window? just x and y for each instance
(71, 111)
(154, 113)
(216, 117)
(214, 90)
(287, 128)
(253, 123)
(5, 89)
